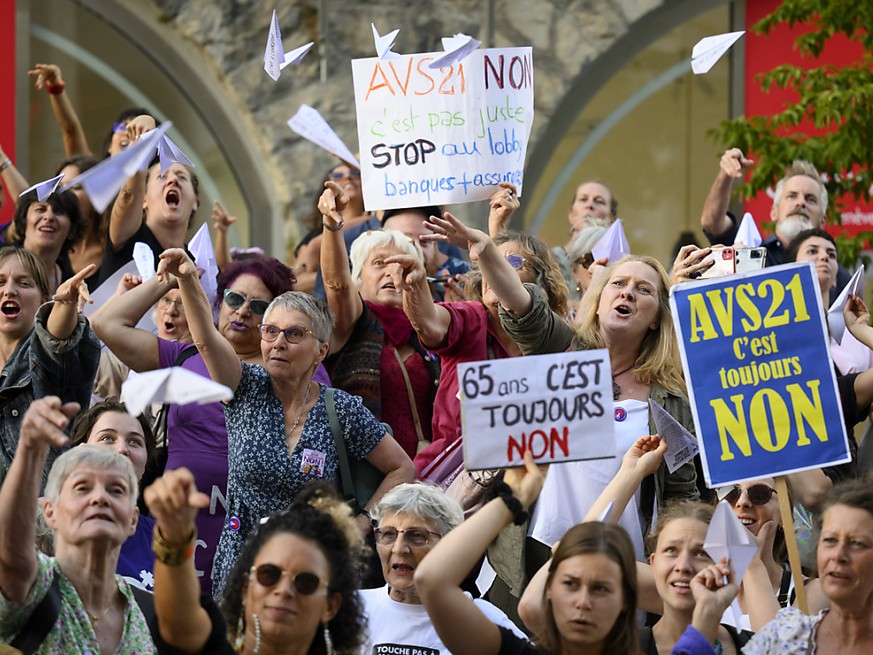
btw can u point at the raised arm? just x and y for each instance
(221, 222)
(41, 428)
(48, 76)
(462, 626)
(13, 179)
(503, 204)
(732, 166)
(342, 294)
(126, 216)
(68, 301)
(221, 360)
(495, 269)
(390, 458)
(174, 501)
(430, 320)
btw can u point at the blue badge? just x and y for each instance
(620, 414)
(233, 524)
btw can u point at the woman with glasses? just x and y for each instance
(374, 352)
(278, 426)
(291, 592)
(411, 519)
(196, 434)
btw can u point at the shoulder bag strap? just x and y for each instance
(422, 442)
(346, 485)
(41, 620)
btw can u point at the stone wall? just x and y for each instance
(565, 34)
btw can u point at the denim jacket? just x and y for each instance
(42, 365)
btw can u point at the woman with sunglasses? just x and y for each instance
(196, 434)
(374, 352)
(291, 592)
(410, 520)
(278, 426)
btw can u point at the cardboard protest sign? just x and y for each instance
(762, 387)
(444, 136)
(557, 406)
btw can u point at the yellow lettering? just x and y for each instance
(701, 323)
(808, 409)
(780, 420)
(731, 425)
(753, 317)
(724, 311)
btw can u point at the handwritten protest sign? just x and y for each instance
(442, 136)
(557, 406)
(761, 384)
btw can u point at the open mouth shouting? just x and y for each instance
(10, 309)
(173, 198)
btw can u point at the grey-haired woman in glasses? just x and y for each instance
(411, 519)
(278, 429)
(291, 592)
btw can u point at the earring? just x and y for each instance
(239, 640)
(257, 623)
(328, 642)
(578, 288)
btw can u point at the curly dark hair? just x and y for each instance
(63, 202)
(319, 515)
(275, 275)
(84, 423)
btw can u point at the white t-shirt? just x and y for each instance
(404, 629)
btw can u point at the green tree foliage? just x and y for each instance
(838, 101)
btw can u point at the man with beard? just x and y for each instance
(800, 202)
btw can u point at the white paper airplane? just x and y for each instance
(385, 43)
(103, 181)
(275, 57)
(144, 259)
(456, 48)
(170, 154)
(171, 385)
(201, 247)
(726, 537)
(309, 124)
(44, 189)
(710, 49)
(748, 233)
(612, 245)
(836, 321)
(681, 445)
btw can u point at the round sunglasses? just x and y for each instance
(759, 494)
(235, 300)
(268, 575)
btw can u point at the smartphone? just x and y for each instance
(724, 258)
(750, 259)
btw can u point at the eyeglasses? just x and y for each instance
(759, 494)
(293, 334)
(166, 303)
(585, 260)
(268, 575)
(338, 175)
(414, 536)
(516, 261)
(235, 300)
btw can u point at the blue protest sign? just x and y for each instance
(760, 380)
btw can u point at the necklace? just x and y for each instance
(616, 390)
(300, 413)
(95, 618)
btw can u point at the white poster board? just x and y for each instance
(442, 136)
(557, 406)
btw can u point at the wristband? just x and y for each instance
(54, 89)
(6, 163)
(513, 504)
(172, 554)
(333, 229)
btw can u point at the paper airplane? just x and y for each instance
(309, 124)
(170, 154)
(681, 445)
(201, 247)
(103, 181)
(748, 233)
(612, 245)
(171, 385)
(275, 58)
(44, 189)
(836, 321)
(726, 537)
(105, 291)
(456, 47)
(710, 49)
(144, 259)
(385, 43)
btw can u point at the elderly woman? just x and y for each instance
(279, 429)
(292, 591)
(374, 352)
(411, 519)
(90, 503)
(197, 435)
(45, 349)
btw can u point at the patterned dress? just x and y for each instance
(262, 476)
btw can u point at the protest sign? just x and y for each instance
(443, 136)
(557, 406)
(761, 384)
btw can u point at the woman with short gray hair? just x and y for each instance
(410, 519)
